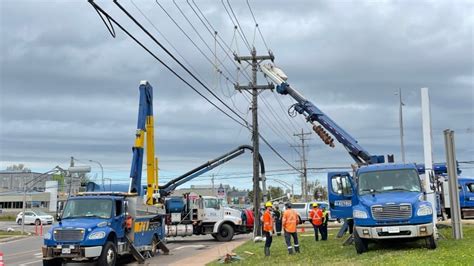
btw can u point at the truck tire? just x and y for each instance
(361, 245)
(52, 262)
(226, 233)
(154, 246)
(109, 254)
(431, 242)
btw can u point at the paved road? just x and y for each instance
(27, 251)
(4, 225)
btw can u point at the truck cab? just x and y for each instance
(385, 201)
(466, 197)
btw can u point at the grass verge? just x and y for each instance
(449, 252)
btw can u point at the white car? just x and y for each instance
(35, 217)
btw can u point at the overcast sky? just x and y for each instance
(69, 89)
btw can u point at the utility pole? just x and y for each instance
(70, 176)
(304, 175)
(212, 182)
(254, 61)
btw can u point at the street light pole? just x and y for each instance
(400, 115)
(102, 170)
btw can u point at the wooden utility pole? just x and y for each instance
(254, 89)
(304, 175)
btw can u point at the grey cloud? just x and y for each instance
(68, 88)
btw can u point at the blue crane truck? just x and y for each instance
(101, 226)
(385, 201)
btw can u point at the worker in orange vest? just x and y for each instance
(267, 219)
(316, 219)
(289, 221)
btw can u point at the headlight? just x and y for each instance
(47, 236)
(359, 214)
(97, 235)
(424, 210)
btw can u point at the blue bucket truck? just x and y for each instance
(385, 201)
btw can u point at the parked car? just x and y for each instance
(303, 208)
(35, 217)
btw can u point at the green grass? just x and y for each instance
(5, 234)
(7, 218)
(331, 252)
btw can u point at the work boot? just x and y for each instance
(267, 252)
(290, 251)
(297, 249)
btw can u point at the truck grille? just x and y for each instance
(389, 212)
(69, 235)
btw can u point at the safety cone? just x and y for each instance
(1, 259)
(302, 229)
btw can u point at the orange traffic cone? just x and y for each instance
(1, 259)
(302, 229)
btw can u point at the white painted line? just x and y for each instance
(31, 262)
(38, 254)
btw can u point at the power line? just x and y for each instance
(162, 62)
(246, 125)
(257, 27)
(238, 23)
(187, 36)
(237, 27)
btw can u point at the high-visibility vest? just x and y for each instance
(316, 216)
(325, 217)
(289, 221)
(267, 220)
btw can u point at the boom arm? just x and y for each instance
(166, 189)
(145, 126)
(314, 114)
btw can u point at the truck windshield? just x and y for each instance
(98, 208)
(389, 181)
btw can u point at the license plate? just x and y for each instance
(393, 230)
(66, 251)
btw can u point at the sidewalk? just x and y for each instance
(211, 254)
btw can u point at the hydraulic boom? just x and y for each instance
(313, 114)
(168, 188)
(145, 126)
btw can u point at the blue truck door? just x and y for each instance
(340, 194)
(118, 220)
(467, 194)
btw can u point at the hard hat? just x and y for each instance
(268, 204)
(315, 205)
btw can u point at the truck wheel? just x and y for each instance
(361, 245)
(52, 262)
(154, 246)
(431, 242)
(108, 255)
(226, 233)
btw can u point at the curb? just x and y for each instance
(9, 239)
